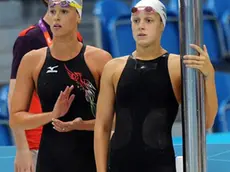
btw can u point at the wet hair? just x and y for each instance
(45, 2)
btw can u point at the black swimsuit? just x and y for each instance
(146, 109)
(69, 151)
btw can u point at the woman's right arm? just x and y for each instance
(21, 98)
(104, 118)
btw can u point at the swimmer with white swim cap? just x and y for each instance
(144, 91)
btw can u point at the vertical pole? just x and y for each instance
(200, 90)
(193, 114)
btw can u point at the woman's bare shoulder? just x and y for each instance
(34, 56)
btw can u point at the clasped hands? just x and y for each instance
(61, 107)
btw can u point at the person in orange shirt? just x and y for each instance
(28, 141)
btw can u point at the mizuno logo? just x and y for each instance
(51, 69)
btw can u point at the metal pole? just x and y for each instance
(193, 116)
(200, 91)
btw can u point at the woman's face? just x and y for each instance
(147, 27)
(64, 19)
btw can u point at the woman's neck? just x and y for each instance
(66, 46)
(148, 52)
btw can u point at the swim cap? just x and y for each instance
(78, 4)
(157, 5)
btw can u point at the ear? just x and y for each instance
(78, 19)
(162, 26)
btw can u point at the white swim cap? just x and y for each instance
(157, 5)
